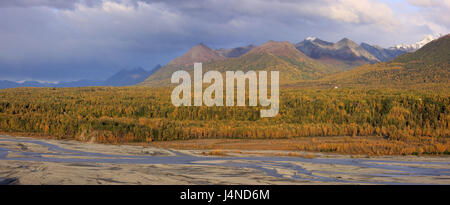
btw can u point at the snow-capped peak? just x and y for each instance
(417, 45)
(311, 38)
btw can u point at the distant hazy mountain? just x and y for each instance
(8, 84)
(235, 52)
(129, 77)
(77, 83)
(122, 78)
(415, 46)
(11, 84)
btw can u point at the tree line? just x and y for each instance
(139, 114)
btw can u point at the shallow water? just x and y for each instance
(267, 165)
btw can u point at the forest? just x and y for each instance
(142, 115)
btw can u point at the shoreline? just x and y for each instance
(225, 146)
(36, 161)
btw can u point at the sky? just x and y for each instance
(63, 40)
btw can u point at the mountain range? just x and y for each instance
(429, 65)
(382, 54)
(125, 77)
(235, 52)
(283, 56)
(309, 59)
(344, 53)
(415, 46)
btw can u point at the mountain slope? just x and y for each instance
(428, 65)
(283, 56)
(129, 77)
(382, 54)
(198, 53)
(234, 52)
(344, 54)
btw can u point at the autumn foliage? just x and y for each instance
(138, 114)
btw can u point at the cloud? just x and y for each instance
(59, 40)
(85, 42)
(434, 14)
(346, 11)
(363, 12)
(425, 3)
(58, 4)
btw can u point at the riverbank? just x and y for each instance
(357, 147)
(45, 161)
